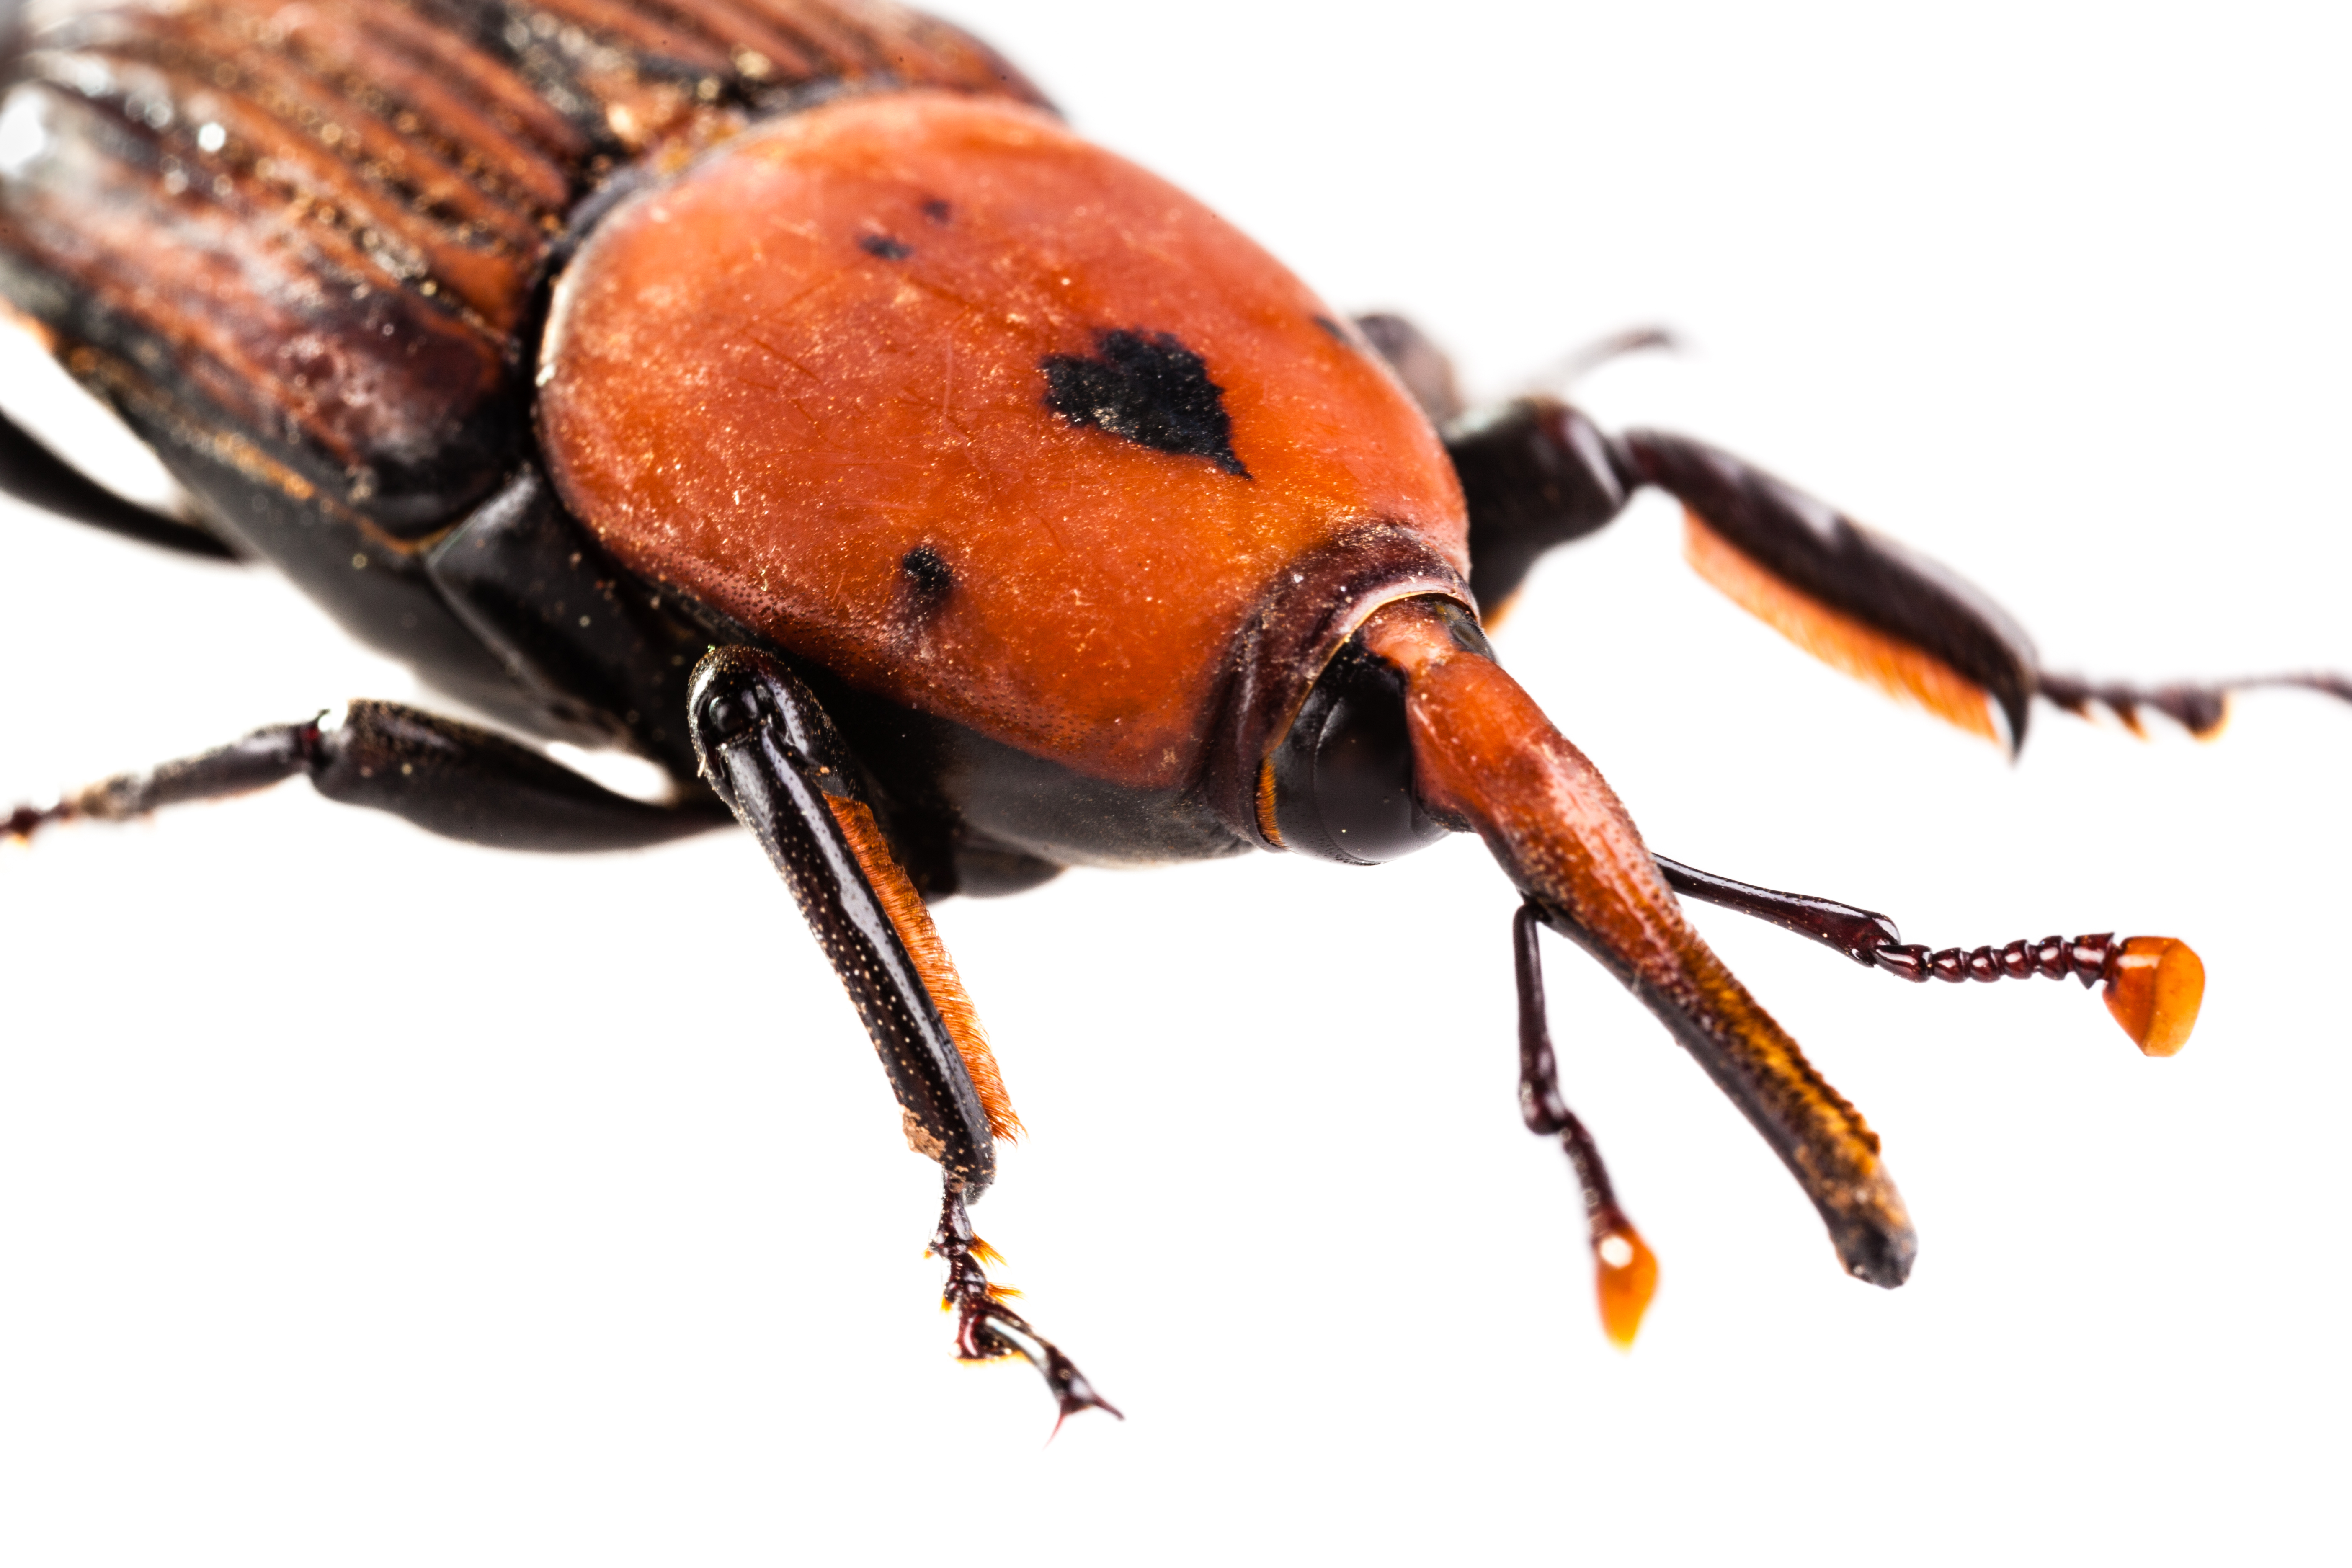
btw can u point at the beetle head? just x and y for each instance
(1339, 786)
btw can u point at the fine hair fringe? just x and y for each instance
(905, 906)
(1839, 640)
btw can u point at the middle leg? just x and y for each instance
(773, 756)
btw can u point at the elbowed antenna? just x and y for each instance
(2153, 986)
(1625, 1269)
(1486, 760)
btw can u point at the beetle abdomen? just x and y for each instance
(984, 419)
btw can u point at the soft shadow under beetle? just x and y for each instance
(781, 392)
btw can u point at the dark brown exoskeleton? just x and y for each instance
(777, 389)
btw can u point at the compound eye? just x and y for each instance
(728, 713)
(1343, 776)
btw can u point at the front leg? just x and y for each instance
(1851, 596)
(1538, 473)
(773, 756)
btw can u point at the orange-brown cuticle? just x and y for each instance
(2153, 988)
(1142, 428)
(1625, 1277)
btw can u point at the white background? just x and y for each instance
(370, 1199)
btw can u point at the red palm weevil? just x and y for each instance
(788, 397)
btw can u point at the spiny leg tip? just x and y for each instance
(1073, 1393)
(2155, 986)
(1624, 1279)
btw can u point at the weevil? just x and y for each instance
(788, 397)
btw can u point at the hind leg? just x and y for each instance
(39, 477)
(448, 777)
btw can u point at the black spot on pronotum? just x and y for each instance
(930, 579)
(1338, 333)
(887, 248)
(1148, 388)
(938, 211)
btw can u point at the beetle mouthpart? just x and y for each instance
(1625, 1277)
(1874, 1251)
(1486, 756)
(2153, 988)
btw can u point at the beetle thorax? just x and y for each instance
(986, 420)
